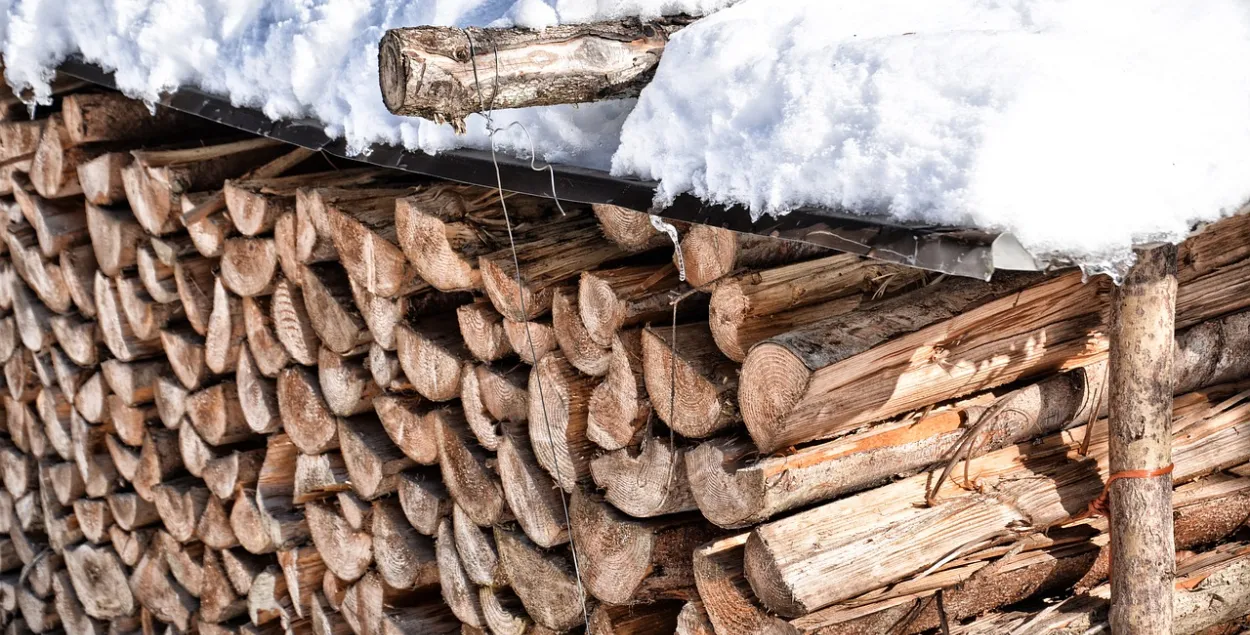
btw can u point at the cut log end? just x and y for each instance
(774, 380)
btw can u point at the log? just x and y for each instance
(325, 619)
(237, 470)
(347, 385)
(32, 316)
(258, 395)
(131, 511)
(195, 279)
(160, 594)
(756, 306)
(145, 316)
(369, 606)
(692, 386)
(180, 503)
(572, 245)
(69, 608)
(612, 299)
(482, 328)
(218, 600)
(305, 415)
(319, 475)
(476, 548)
(248, 265)
(373, 462)
(208, 234)
(225, 331)
(242, 568)
(628, 561)
(410, 424)
(503, 391)
(99, 581)
(54, 168)
(39, 614)
(69, 376)
(101, 178)
(712, 253)
(131, 545)
(116, 332)
(184, 348)
(458, 590)
(95, 518)
(657, 618)
(20, 140)
(424, 499)
(267, 599)
(77, 338)
(363, 230)
(586, 355)
(913, 542)
(402, 556)
(386, 370)
(631, 230)
(730, 603)
(464, 464)
(158, 459)
(560, 397)
(619, 405)
(531, 340)
(78, 267)
(185, 562)
(267, 352)
(330, 309)
(275, 491)
(504, 614)
(59, 223)
(216, 414)
(544, 580)
(216, 202)
(214, 529)
(99, 117)
(347, 553)
(431, 352)
(693, 620)
(442, 73)
(649, 482)
(291, 324)
(303, 569)
(530, 492)
(255, 204)
(484, 427)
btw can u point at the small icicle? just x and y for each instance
(662, 225)
(31, 107)
(151, 106)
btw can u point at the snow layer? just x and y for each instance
(309, 58)
(1079, 126)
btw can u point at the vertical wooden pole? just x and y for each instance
(1143, 549)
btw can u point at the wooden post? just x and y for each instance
(1144, 566)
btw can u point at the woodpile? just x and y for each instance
(245, 391)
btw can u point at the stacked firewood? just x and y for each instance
(250, 390)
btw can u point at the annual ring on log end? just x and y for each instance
(766, 580)
(773, 381)
(728, 497)
(393, 73)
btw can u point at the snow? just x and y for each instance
(1080, 127)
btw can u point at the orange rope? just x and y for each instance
(1101, 506)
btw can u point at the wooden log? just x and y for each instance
(347, 385)
(712, 253)
(180, 503)
(78, 267)
(1063, 486)
(458, 590)
(364, 234)
(216, 414)
(20, 140)
(373, 462)
(482, 328)
(31, 317)
(267, 353)
(225, 331)
(214, 528)
(347, 552)
(157, 179)
(66, 483)
(558, 405)
(326, 620)
(402, 556)
(115, 237)
(131, 511)
(485, 428)
(330, 309)
(54, 168)
(303, 570)
(99, 580)
(544, 580)
(431, 352)
(216, 202)
(184, 348)
(248, 265)
(218, 600)
(94, 517)
(118, 336)
(69, 376)
(101, 178)
(531, 340)
(145, 316)
(628, 561)
(424, 499)
(38, 613)
(505, 615)
(476, 548)
(659, 617)
(59, 223)
(267, 599)
(185, 562)
(292, 325)
(319, 475)
(159, 593)
(573, 245)
(410, 423)
(433, 72)
(503, 391)
(242, 568)
(99, 117)
(612, 299)
(69, 608)
(258, 396)
(530, 492)
(195, 280)
(237, 470)
(255, 204)
(649, 482)
(131, 545)
(619, 405)
(306, 417)
(54, 412)
(386, 370)
(209, 234)
(575, 342)
(369, 606)
(692, 386)
(730, 603)
(631, 230)
(464, 464)
(158, 459)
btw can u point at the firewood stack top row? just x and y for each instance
(342, 399)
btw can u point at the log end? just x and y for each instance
(727, 496)
(682, 397)
(726, 313)
(773, 381)
(766, 579)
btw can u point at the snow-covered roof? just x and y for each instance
(1078, 127)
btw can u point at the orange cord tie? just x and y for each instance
(1101, 506)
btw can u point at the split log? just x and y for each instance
(216, 201)
(225, 331)
(117, 333)
(730, 603)
(39, 614)
(54, 168)
(369, 607)
(482, 329)
(347, 385)
(258, 396)
(433, 72)
(631, 230)
(575, 341)
(209, 234)
(131, 545)
(160, 594)
(267, 353)
(402, 556)
(572, 245)
(95, 518)
(464, 465)
(331, 310)
(712, 253)
(19, 140)
(237, 470)
(612, 299)
(267, 599)
(216, 414)
(184, 348)
(531, 493)
(619, 405)
(319, 475)
(133, 382)
(410, 424)
(649, 482)
(386, 370)
(59, 223)
(628, 561)
(101, 178)
(303, 570)
(505, 615)
(99, 117)
(67, 484)
(424, 500)
(115, 237)
(69, 376)
(218, 600)
(54, 412)
(292, 324)
(476, 548)
(326, 620)
(131, 511)
(248, 265)
(558, 404)
(544, 580)
(32, 317)
(78, 267)
(657, 618)
(431, 352)
(157, 179)
(69, 608)
(145, 316)
(255, 204)
(485, 428)
(180, 503)
(692, 386)
(503, 391)
(275, 491)
(185, 562)
(458, 590)
(531, 340)
(363, 229)
(373, 462)
(305, 415)
(195, 279)
(158, 459)
(347, 553)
